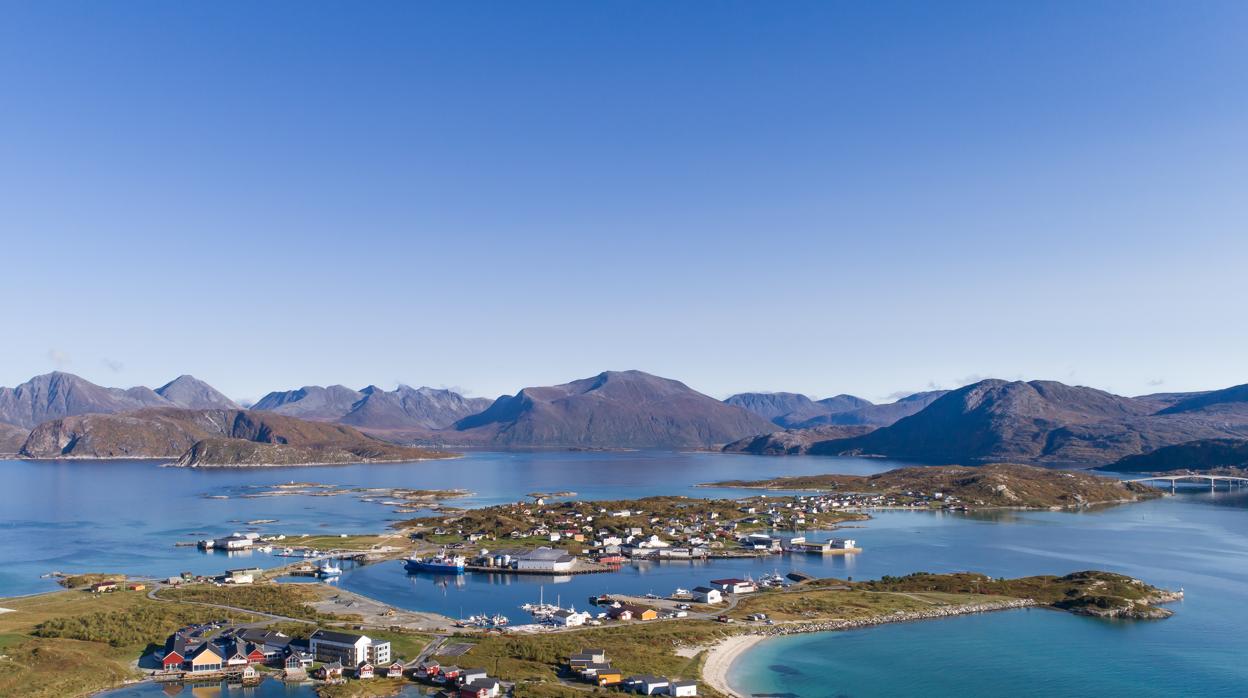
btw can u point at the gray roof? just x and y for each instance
(335, 636)
(545, 554)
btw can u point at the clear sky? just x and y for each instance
(826, 197)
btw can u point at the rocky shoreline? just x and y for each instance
(930, 614)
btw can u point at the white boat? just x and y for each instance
(328, 569)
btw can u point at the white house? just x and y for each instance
(570, 618)
(734, 586)
(652, 685)
(682, 688)
(349, 648)
(707, 595)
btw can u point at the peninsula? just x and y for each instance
(961, 487)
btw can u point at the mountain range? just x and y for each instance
(796, 411)
(1038, 422)
(374, 408)
(1045, 422)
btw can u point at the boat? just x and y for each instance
(328, 569)
(680, 592)
(541, 609)
(447, 564)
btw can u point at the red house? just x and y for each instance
(395, 671)
(172, 660)
(255, 655)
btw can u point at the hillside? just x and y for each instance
(1042, 422)
(1209, 454)
(793, 442)
(171, 433)
(993, 485)
(624, 409)
(788, 409)
(11, 438)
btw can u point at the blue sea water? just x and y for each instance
(81, 516)
(1196, 541)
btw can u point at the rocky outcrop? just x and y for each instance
(615, 409)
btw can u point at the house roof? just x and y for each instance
(703, 590)
(683, 683)
(335, 636)
(732, 580)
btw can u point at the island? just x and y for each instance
(959, 487)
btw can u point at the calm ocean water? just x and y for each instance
(101, 516)
(126, 515)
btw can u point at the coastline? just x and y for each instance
(721, 656)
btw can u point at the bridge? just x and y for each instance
(1213, 480)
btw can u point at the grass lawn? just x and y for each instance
(343, 543)
(74, 643)
(825, 604)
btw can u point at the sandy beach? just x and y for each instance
(720, 658)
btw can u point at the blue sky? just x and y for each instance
(821, 197)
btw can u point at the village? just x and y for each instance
(582, 537)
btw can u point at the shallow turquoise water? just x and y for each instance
(1195, 541)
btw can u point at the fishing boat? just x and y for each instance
(446, 564)
(328, 569)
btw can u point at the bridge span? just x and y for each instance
(1213, 480)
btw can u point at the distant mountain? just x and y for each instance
(1042, 422)
(208, 437)
(772, 406)
(1233, 399)
(374, 409)
(191, 393)
(792, 442)
(1207, 454)
(58, 394)
(311, 402)
(11, 438)
(788, 409)
(876, 415)
(428, 408)
(615, 409)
